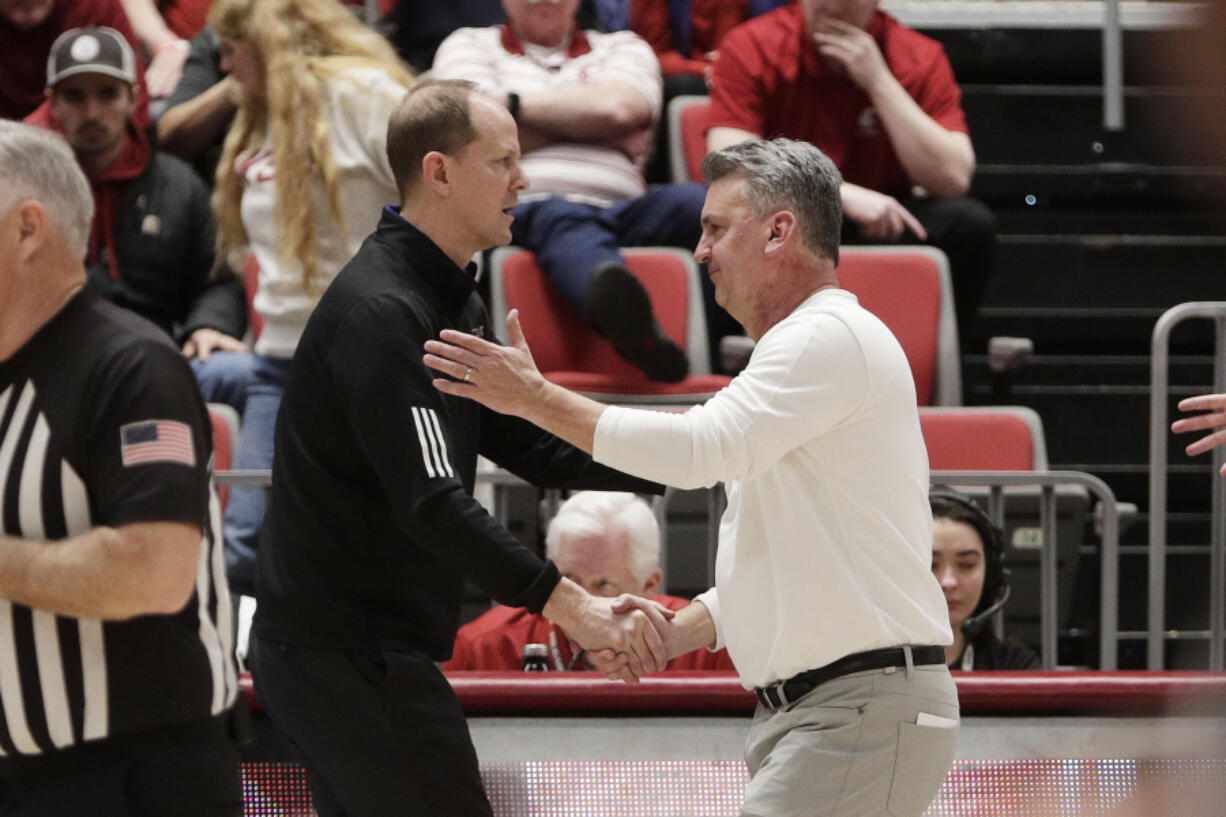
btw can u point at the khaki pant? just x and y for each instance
(852, 747)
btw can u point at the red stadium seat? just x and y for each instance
(989, 438)
(572, 354)
(688, 118)
(225, 441)
(909, 289)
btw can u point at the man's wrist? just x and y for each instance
(562, 606)
(882, 86)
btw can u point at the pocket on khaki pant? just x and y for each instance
(921, 761)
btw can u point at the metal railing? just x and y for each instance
(1113, 67)
(1047, 481)
(1159, 397)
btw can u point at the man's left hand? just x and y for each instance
(502, 378)
(854, 50)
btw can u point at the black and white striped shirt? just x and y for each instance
(101, 423)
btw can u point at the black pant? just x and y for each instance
(178, 777)
(380, 733)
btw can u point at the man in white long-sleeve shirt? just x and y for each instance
(823, 597)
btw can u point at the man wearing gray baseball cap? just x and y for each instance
(151, 241)
(92, 50)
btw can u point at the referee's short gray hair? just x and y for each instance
(784, 174)
(589, 513)
(38, 164)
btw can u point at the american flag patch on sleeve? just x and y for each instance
(156, 441)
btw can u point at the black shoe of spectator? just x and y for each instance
(621, 311)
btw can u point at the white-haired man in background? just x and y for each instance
(606, 542)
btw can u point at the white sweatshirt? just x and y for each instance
(826, 546)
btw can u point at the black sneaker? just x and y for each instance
(621, 311)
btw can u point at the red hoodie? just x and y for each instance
(108, 195)
(109, 190)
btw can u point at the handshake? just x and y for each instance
(624, 637)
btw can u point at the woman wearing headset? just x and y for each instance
(968, 561)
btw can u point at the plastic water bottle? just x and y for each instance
(536, 658)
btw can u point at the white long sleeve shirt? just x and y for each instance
(826, 546)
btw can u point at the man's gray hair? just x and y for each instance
(593, 513)
(38, 164)
(783, 174)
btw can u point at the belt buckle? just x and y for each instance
(774, 692)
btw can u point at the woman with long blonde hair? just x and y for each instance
(302, 180)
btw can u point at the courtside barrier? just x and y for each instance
(1036, 744)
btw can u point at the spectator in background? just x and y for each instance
(881, 100)
(151, 242)
(586, 104)
(416, 28)
(199, 112)
(27, 30)
(301, 182)
(606, 542)
(165, 28)
(968, 554)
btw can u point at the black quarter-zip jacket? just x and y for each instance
(371, 527)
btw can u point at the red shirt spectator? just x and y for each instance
(609, 544)
(881, 101)
(771, 81)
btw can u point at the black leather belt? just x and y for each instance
(781, 693)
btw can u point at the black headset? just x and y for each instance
(996, 575)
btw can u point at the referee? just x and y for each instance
(116, 675)
(371, 528)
